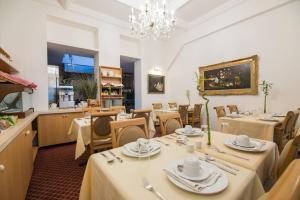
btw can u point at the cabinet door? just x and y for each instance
(69, 119)
(51, 129)
(11, 175)
(27, 154)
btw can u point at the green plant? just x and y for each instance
(266, 89)
(200, 80)
(86, 87)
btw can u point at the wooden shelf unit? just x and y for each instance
(112, 76)
(4, 65)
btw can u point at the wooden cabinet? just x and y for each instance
(53, 128)
(16, 167)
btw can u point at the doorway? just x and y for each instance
(128, 66)
(69, 69)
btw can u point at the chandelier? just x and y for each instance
(152, 20)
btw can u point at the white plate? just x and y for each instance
(205, 172)
(219, 186)
(195, 132)
(126, 150)
(259, 147)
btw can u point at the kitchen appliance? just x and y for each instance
(66, 97)
(17, 103)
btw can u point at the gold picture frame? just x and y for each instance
(236, 77)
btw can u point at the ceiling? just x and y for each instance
(186, 10)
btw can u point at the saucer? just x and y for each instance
(252, 145)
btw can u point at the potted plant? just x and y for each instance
(266, 89)
(87, 88)
(200, 80)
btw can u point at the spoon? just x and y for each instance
(210, 158)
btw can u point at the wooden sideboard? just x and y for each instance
(16, 165)
(53, 128)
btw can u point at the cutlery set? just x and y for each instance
(111, 159)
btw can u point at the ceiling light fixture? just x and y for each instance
(152, 20)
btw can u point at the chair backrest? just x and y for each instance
(91, 110)
(233, 108)
(288, 185)
(169, 122)
(183, 111)
(295, 119)
(117, 109)
(145, 113)
(172, 105)
(127, 131)
(157, 106)
(100, 124)
(288, 153)
(197, 111)
(287, 124)
(220, 111)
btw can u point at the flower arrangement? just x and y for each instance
(266, 89)
(200, 80)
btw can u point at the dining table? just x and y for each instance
(123, 180)
(254, 126)
(80, 131)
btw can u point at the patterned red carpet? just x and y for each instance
(56, 174)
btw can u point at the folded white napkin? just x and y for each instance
(196, 186)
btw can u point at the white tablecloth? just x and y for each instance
(250, 125)
(80, 130)
(119, 181)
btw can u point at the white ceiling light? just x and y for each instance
(153, 20)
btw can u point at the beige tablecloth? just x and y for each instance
(263, 163)
(118, 181)
(80, 130)
(249, 125)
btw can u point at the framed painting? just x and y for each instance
(156, 84)
(237, 77)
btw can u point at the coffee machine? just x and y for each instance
(66, 96)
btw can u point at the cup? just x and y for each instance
(181, 139)
(243, 140)
(198, 144)
(188, 129)
(190, 148)
(191, 167)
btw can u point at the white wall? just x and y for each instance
(23, 36)
(272, 35)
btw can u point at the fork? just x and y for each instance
(149, 187)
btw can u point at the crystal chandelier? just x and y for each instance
(152, 20)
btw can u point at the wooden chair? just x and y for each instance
(172, 105)
(233, 108)
(143, 113)
(117, 109)
(127, 131)
(169, 122)
(220, 111)
(100, 130)
(288, 154)
(91, 110)
(296, 116)
(157, 106)
(283, 132)
(196, 115)
(288, 185)
(183, 111)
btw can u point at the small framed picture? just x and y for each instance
(156, 84)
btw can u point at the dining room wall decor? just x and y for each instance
(156, 84)
(236, 77)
